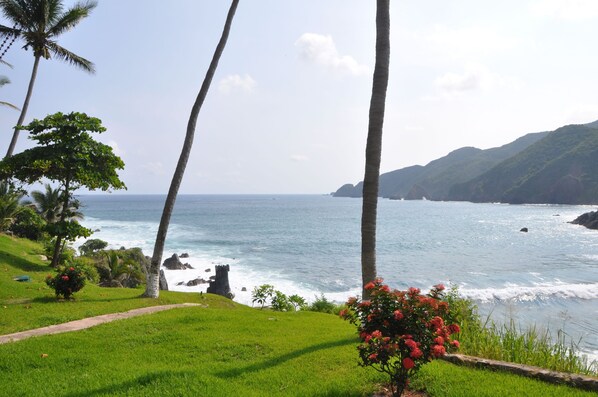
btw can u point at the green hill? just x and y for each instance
(562, 168)
(434, 180)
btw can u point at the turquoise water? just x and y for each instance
(311, 245)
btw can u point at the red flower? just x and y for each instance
(408, 363)
(398, 315)
(437, 322)
(439, 287)
(376, 334)
(416, 353)
(385, 288)
(343, 313)
(65, 278)
(439, 340)
(373, 357)
(414, 291)
(455, 343)
(351, 301)
(71, 268)
(369, 286)
(410, 343)
(438, 350)
(454, 328)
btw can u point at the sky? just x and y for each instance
(287, 111)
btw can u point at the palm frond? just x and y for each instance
(5, 63)
(4, 80)
(16, 11)
(10, 105)
(71, 18)
(70, 57)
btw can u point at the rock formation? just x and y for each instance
(589, 220)
(220, 285)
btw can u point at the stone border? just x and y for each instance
(575, 380)
(84, 323)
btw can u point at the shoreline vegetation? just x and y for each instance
(221, 345)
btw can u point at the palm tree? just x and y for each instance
(152, 288)
(39, 23)
(49, 205)
(4, 80)
(10, 205)
(373, 151)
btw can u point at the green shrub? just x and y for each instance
(322, 305)
(28, 224)
(280, 302)
(67, 281)
(88, 268)
(298, 302)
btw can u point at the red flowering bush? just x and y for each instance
(401, 330)
(67, 281)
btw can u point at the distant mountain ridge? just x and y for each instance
(544, 167)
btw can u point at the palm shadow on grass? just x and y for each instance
(133, 385)
(235, 372)
(22, 264)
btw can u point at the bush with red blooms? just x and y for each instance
(67, 281)
(401, 330)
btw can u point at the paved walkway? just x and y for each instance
(88, 322)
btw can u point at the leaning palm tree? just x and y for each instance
(152, 288)
(39, 23)
(373, 151)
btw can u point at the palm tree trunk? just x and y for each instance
(65, 206)
(152, 288)
(15, 135)
(373, 151)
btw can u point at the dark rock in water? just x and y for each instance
(184, 255)
(174, 263)
(524, 230)
(162, 281)
(220, 285)
(180, 283)
(197, 281)
(244, 289)
(589, 220)
(208, 270)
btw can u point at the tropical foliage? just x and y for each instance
(10, 206)
(39, 23)
(68, 155)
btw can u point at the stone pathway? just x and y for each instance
(88, 322)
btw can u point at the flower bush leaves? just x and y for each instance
(401, 330)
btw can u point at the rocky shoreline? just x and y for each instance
(589, 220)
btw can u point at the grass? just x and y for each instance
(220, 349)
(510, 343)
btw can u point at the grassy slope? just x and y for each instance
(223, 349)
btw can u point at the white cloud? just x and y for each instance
(299, 158)
(470, 41)
(154, 168)
(474, 77)
(572, 10)
(322, 50)
(581, 114)
(116, 149)
(236, 82)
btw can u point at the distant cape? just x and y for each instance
(555, 167)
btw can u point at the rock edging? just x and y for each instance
(576, 380)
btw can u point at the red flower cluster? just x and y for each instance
(401, 330)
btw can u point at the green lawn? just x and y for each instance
(220, 349)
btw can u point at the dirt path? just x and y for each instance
(88, 322)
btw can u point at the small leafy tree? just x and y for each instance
(401, 330)
(298, 302)
(280, 302)
(92, 245)
(261, 294)
(10, 205)
(68, 155)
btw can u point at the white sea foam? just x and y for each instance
(537, 291)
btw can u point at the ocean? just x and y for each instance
(310, 245)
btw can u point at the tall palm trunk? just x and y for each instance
(373, 151)
(15, 135)
(152, 288)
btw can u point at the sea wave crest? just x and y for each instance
(537, 292)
